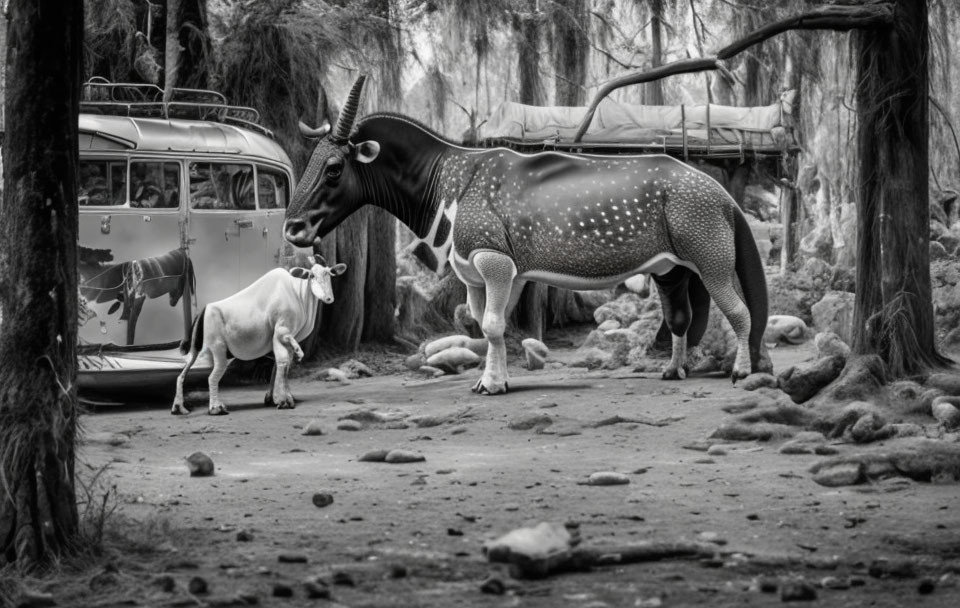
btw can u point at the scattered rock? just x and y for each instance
(106, 438)
(758, 380)
(332, 374)
(947, 382)
(282, 590)
(835, 582)
(785, 329)
(244, 536)
(638, 284)
(534, 552)
(834, 313)
(803, 382)
(477, 346)
(349, 425)
(316, 588)
(452, 359)
(625, 309)
(415, 361)
(374, 456)
(433, 372)
(840, 474)
(829, 344)
(493, 585)
(926, 586)
(322, 499)
(608, 325)
(198, 586)
(529, 420)
(403, 456)
(798, 590)
(356, 369)
(536, 353)
(717, 450)
(313, 428)
(871, 427)
(165, 583)
(343, 578)
(200, 465)
(607, 478)
(292, 558)
(946, 412)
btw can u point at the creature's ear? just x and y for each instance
(300, 273)
(338, 270)
(368, 151)
(311, 133)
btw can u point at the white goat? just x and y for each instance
(273, 313)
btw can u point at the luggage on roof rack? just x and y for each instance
(101, 96)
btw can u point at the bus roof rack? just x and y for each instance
(101, 96)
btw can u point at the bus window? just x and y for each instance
(222, 186)
(272, 189)
(154, 185)
(103, 183)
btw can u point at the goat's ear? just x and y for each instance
(311, 133)
(368, 151)
(300, 273)
(338, 270)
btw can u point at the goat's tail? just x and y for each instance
(195, 341)
(753, 281)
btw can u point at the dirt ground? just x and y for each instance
(412, 534)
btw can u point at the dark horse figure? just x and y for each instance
(570, 220)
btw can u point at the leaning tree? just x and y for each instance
(894, 314)
(38, 283)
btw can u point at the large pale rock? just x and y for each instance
(639, 284)
(834, 312)
(452, 359)
(785, 329)
(536, 353)
(829, 344)
(476, 345)
(533, 552)
(626, 309)
(618, 343)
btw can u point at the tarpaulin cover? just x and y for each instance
(620, 123)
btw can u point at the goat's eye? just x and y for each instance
(333, 171)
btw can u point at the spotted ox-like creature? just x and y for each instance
(273, 314)
(574, 221)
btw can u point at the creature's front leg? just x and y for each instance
(498, 272)
(178, 407)
(283, 345)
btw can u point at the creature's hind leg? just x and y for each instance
(178, 407)
(498, 272)
(675, 303)
(724, 291)
(700, 316)
(218, 351)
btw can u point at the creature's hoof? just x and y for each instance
(482, 388)
(674, 373)
(268, 400)
(286, 405)
(218, 411)
(179, 410)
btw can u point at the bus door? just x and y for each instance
(222, 211)
(273, 192)
(134, 272)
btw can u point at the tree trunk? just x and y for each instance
(571, 49)
(38, 284)
(171, 62)
(380, 289)
(653, 91)
(343, 320)
(527, 31)
(894, 315)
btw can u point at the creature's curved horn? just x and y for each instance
(311, 133)
(319, 259)
(349, 111)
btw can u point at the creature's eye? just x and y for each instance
(334, 170)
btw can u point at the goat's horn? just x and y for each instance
(349, 111)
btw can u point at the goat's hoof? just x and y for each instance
(179, 411)
(220, 411)
(481, 388)
(286, 405)
(268, 400)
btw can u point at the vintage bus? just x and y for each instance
(181, 204)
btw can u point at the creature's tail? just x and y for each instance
(195, 343)
(750, 271)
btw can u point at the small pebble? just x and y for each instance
(529, 420)
(717, 450)
(198, 586)
(493, 586)
(349, 425)
(834, 582)
(797, 591)
(926, 586)
(313, 428)
(322, 499)
(282, 590)
(316, 589)
(343, 578)
(244, 536)
(200, 465)
(292, 558)
(375, 456)
(398, 571)
(403, 456)
(165, 583)
(607, 478)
